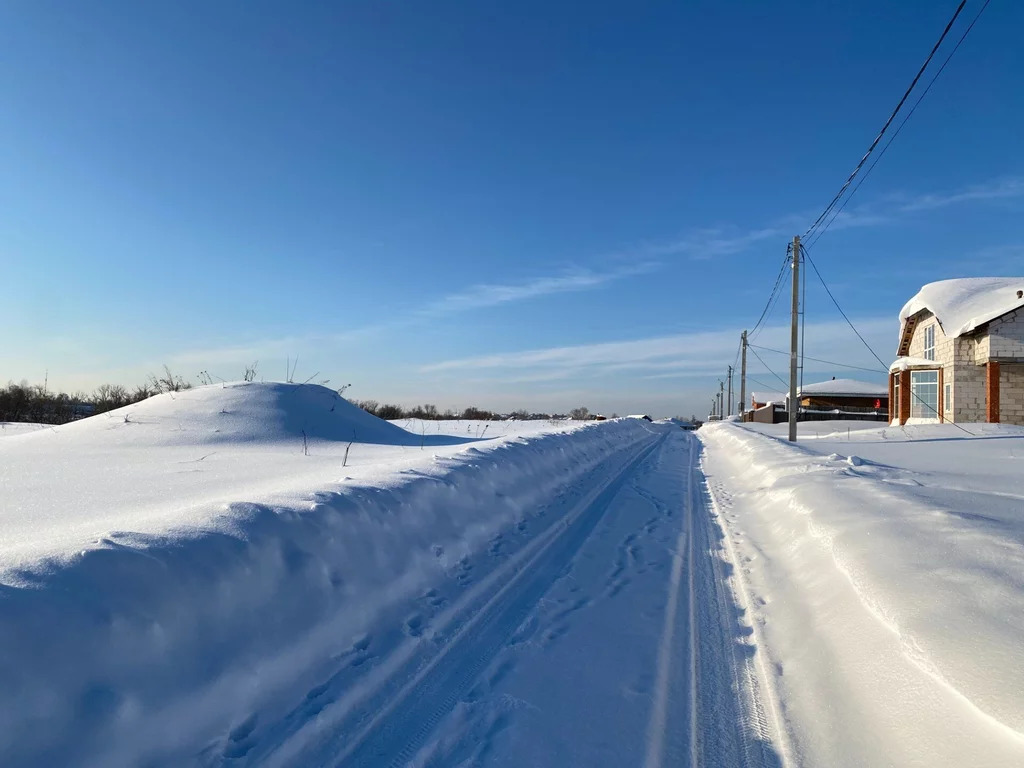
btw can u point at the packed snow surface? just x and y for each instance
(844, 387)
(962, 304)
(886, 570)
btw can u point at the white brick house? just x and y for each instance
(961, 353)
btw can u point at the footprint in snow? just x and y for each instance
(414, 625)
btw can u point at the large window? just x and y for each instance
(929, 343)
(924, 394)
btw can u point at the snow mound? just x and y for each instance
(271, 412)
(961, 305)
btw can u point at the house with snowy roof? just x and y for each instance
(961, 353)
(762, 398)
(844, 396)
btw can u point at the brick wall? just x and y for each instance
(1011, 393)
(968, 379)
(1007, 335)
(945, 358)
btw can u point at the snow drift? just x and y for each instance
(169, 568)
(888, 580)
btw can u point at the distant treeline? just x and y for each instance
(37, 403)
(392, 412)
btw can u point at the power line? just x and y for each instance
(772, 297)
(809, 260)
(885, 127)
(899, 128)
(773, 373)
(759, 383)
(818, 360)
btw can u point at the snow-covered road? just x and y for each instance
(601, 634)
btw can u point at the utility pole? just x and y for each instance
(729, 409)
(794, 336)
(721, 399)
(743, 376)
(713, 399)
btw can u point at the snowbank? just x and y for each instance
(962, 304)
(170, 568)
(889, 578)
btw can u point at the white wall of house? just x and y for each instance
(1011, 393)
(1005, 336)
(944, 356)
(959, 360)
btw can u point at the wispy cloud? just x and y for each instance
(715, 242)
(691, 354)
(491, 294)
(996, 189)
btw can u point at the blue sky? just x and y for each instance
(477, 203)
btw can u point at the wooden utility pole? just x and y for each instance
(743, 376)
(721, 399)
(794, 339)
(728, 410)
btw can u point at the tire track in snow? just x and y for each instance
(755, 683)
(659, 711)
(395, 733)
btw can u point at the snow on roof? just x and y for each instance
(905, 362)
(961, 305)
(845, 387)
(768, 397)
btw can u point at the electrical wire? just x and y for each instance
(819, 360)
(885, 127)
(773, 373)
(759, 383)
(809, 260)
(772, 297)
(899, 128)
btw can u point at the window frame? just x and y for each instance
(922, 407)
(929, 342)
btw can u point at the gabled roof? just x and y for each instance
(962, 305)
(845, 387)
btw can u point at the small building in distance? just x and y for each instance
(766, 407)
(843, 398)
